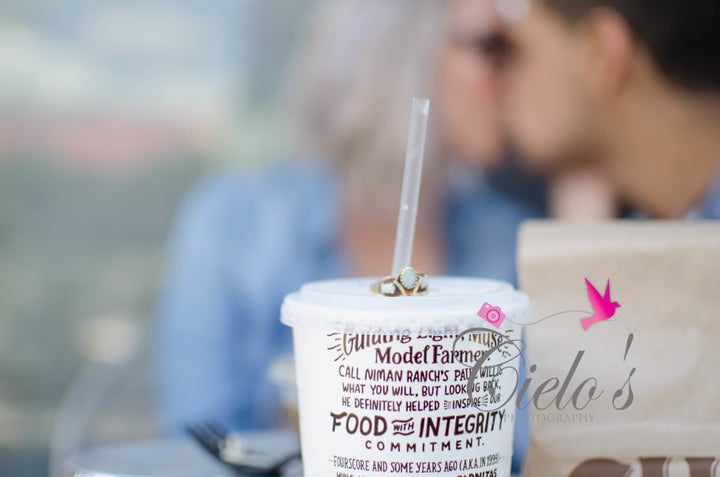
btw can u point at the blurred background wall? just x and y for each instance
(109, 111)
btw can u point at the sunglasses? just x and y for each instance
(493, 45)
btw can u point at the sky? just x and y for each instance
(162, 56)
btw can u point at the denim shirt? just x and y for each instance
(241, 244)
(709, 208)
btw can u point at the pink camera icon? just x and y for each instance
(492, 314)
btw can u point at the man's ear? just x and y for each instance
(609, 50)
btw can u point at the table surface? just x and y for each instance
(166, 458)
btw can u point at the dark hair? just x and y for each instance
(683, 36)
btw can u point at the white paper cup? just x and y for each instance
(383, 382)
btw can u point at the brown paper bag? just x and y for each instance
(652, 369)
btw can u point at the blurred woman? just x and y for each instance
(242, 243)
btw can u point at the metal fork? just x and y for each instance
(214, 439)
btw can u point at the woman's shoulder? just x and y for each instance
(251, 203)
(234, 187)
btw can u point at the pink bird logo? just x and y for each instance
(603, 306)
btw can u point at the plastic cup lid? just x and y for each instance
(349, 306)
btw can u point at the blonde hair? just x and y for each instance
(353, 83)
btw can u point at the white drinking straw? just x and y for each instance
(411, 184)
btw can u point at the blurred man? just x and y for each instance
(632, 86)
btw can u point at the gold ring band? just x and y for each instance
(408, 282)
